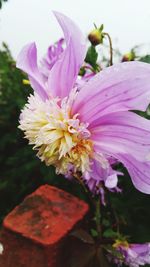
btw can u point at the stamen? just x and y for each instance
(61, 140)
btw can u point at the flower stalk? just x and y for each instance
(98, 217)
(111, 48)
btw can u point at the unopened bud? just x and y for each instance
(25, 82)
(129, 57)
(96, 36)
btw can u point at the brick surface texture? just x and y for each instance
(34, 234)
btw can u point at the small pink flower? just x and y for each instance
(53, 54)
(132, 255)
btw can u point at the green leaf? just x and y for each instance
(83, 236)
(91, 57)
(101, 27)
(106, 222)
(94, 233)
(109, 233)
(145, 59)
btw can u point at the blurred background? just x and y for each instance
(23, 21)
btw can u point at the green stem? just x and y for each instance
(98, 217)
(100, 256)
(111, 48)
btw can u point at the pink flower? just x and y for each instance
(52, 56)
(132, 255)
(84, 131)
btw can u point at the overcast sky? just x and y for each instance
(24, 21)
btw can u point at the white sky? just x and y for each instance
(24, 21)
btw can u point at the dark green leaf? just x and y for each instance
(145, 59)
(105, 222)
(109, 233)
(83, 236)
(91, 57)
(94, 233)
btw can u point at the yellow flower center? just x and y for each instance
(122, 243)
(61, 140)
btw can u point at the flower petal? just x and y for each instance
(125, 136)
(111, 181)
(27, 61)
(64, 73)
(125, 133)
(99, 174)
(124, 86)
(139, 172)
(53, 53)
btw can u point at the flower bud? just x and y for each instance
(26, 82)
(129, 57)
(96, 36)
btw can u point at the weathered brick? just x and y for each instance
(34, 233)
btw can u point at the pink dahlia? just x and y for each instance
(84, 131)
(132, 255)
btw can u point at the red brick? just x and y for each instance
(34, 233)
